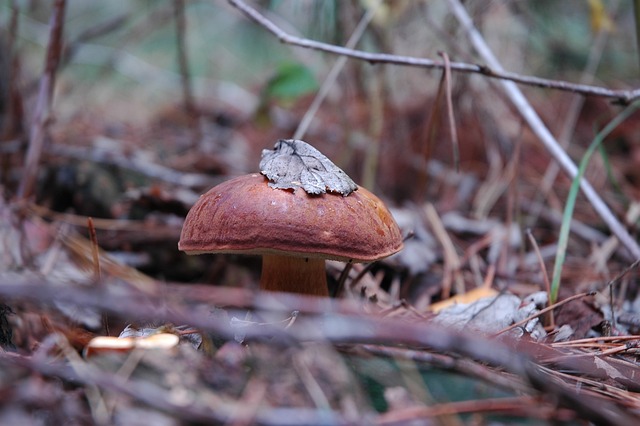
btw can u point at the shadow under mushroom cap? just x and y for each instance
(245, 215)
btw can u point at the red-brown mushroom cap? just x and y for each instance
(245, 215)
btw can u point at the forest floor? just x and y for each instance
(104, 321)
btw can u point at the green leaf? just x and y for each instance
(291, 81)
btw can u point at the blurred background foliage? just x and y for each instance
(133, 68)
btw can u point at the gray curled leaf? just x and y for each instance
(296, 164)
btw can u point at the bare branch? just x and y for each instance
(450, 116)
(45, 99)
(183, 61)
(91, 33)
(621, 96)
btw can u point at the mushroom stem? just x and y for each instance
(294, 274)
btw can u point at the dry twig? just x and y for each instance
(45, 99)
(455, 146)
(183, 62)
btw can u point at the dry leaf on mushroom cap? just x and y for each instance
(295, 164)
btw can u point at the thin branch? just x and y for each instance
(11, 124)
(95, 249)
(636, 16)
(91, 33)
(455, 146)
(429, 131)
(613, 282)
(45, 99)
(183, 62)
(624, 272)
(622, 96)
(543, 269)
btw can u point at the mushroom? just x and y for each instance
(293, 231)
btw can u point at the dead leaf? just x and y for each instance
(296, 164)
(609, 370)
(464, 298)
